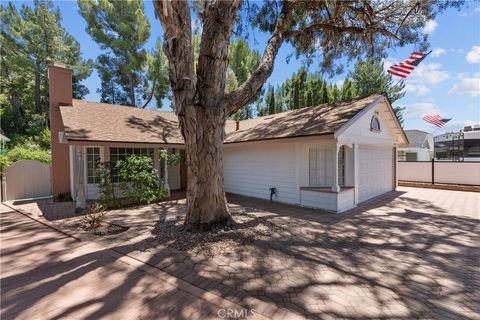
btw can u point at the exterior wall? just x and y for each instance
(445, 172)
(423, 154)
(359, 131)
(60, 93)
(346, 200)
(253, 169)
(174, 177)
(92, 191)
(315, 199)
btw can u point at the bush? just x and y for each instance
(4, 162)
(141, 181)
(94, 217)
(22, 152)
(106, 186)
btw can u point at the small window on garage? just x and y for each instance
(375, 124)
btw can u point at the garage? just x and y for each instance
(375, 172)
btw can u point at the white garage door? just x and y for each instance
(375, 172)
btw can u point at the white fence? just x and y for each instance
(27, 179)
(467, 173)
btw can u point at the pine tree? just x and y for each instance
(243, 61)
(271, 100)
(33, 38)
(325, 94)
(121, 29)
(369, 77)
(348, 90)
(336, 94)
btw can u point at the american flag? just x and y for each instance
(403, 69)
(436, 120)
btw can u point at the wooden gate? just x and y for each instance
(26, 179)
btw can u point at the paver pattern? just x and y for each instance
(48, 275)
(413, 253)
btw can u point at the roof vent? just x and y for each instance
(237, 125)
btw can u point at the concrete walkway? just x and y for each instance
(48, 275)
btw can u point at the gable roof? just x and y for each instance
(92, 121)
(416, 138)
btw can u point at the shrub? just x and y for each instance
(4, 163)
(106, 186)
(94, 217)
(141, 181)
(22, 152)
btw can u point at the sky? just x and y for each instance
(447, 82)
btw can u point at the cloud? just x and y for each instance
(477, 9)
(430, 27)
(473, 56)
(418, 110)
(419, 90)
(428, 74)
(468, 85)
(459, 124)
(437, 52)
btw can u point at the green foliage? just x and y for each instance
(129, 74)
(242, 63)
(141, 181)
(22, 152)
(106, 186)
(369, 77)
(173, 159)
(310, 89)
(338, 32)
(4, 163)
(32, 38)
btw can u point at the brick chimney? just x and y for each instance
(60, 93)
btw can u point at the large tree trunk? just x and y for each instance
(201, 104)
(206, 202)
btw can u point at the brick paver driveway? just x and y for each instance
(413, 253)
(48, 275)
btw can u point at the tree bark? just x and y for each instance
(37, 93)
(200, 101)
(206, 202)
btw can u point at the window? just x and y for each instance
(117, 154)
(321, 167)
(375, 124)
(93, 159)
(401, 156)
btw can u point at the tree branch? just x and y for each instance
(218, 18)
(151, 93)
(176, 22)
(245, 93)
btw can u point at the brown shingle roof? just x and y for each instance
(106, 122)
(322, 119)
(94, 121)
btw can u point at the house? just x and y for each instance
(331, 157)
(420, 146)
(463, 145)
